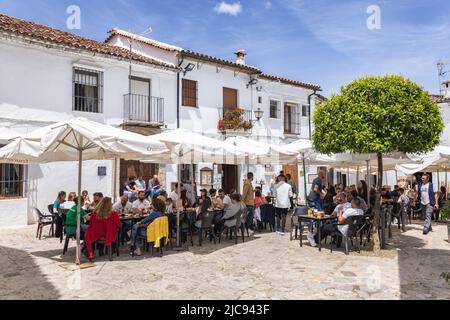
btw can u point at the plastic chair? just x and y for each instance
(43, 220)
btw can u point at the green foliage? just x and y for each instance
(378, 114)
(445, 276)
(445, 211)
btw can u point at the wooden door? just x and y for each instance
(293, 171)
(230, 99)
(136, 168)
(287, 118)
(229, 178)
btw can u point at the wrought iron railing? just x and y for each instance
(142, 108)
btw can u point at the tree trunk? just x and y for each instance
(377, 208)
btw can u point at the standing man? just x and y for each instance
(427, 201)
(315, 196)
(283, 194)
(248, 197)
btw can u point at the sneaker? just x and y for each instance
(281, 233)
(251, 232)
(311, 240)
(425, 231)
(138, 252)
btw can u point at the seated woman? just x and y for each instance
(104, 225)
(258, 202)
(69, 203)
(202, 197)
(139, 230)
(201, 210)
(185, 201)
(71, 220)
(57, 219)
(229, 217)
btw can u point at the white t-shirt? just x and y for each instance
(141, 205)
(174, 196)
(350, 212)
(424, 195)
(283, 193)
(226, 200)
(67, 205)
(118, 207)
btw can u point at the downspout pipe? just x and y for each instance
(309, 109)
(180, 62)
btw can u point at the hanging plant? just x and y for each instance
(234, 120)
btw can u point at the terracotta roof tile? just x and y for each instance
(24, 28)
(291, 82)
(151, 42)
(220, 61)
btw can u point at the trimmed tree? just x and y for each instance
(378, 114)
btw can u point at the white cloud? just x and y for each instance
(268, 5)
(233, 9)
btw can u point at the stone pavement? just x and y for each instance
(266, 266)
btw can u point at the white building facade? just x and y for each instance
(47, 76)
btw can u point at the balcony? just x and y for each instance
(143, 110)
(234, 122)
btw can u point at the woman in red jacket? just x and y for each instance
(104, 225)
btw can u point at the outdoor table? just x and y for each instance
(132, 218)
(319, 224)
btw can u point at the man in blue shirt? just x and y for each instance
(315, 196)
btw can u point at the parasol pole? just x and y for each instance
(368, 181)
(304, 177)
(176, 203)
(80, 167)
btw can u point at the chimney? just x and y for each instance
(446, 86)
(240, 56)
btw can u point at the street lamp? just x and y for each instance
(258, 114)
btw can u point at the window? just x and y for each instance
(291, 118)
(190, 98)
(11, 181)
(274, 109)
(87, 90)
(305, 111)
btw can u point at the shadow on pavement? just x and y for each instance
(21, 277)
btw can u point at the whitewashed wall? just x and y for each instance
(41, 79)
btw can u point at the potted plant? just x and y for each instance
(445, 215)
(233, 120)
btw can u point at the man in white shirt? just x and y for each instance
(141, 204)
(224, 199)
(343, 214)
(283, 193)
(175, 197)
(123, 205)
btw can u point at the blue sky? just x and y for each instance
(321, 41)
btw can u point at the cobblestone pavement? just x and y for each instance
(266, 266)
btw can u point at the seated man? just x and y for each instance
(140, 229)
(123, 206)
(130, 188)
(343, 214)
(223, 200)
(141, 205)
(229, 217)
(363, 206)
(154, 187)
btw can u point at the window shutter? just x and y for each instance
(296, 118)
(278, 110)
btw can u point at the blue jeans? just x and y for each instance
(427, 214)
(137, 233)
(152, 192)
(250, 215)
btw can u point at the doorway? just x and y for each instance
(136, 168)
(229, 178)
(230, 99)
(293, 171)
